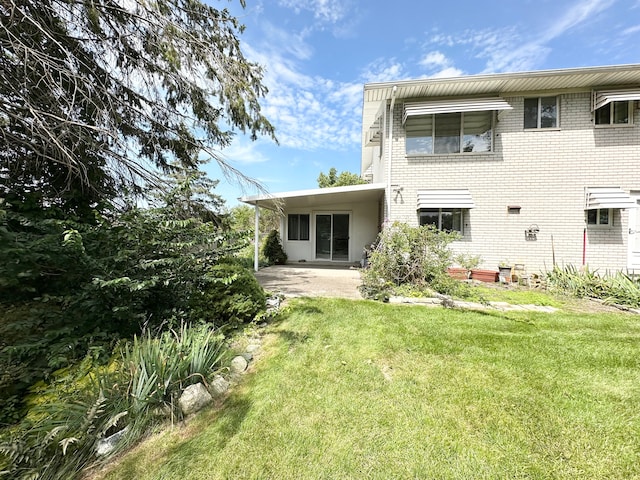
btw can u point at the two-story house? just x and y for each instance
(529, 168)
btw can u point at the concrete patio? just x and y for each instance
(311, 280)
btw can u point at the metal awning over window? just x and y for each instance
(607, 197)
(454, 106)
(601, 98)
(458, 198)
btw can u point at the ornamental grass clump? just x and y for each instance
(613, 288)
(141, 386)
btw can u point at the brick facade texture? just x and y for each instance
(544, 172)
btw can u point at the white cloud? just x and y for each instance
(435, 59)
(515, 48)
(243, 152)
(447, 73)
(309, 113)
(383, 70)
(328, 11)
(631, 30)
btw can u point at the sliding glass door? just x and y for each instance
(332, 236)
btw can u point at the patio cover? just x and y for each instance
(317, 197)
(314, 198)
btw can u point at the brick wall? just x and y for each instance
(545, 172)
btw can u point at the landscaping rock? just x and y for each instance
(218, 386)
(239, 364)
(106, 445)
(253, 347)
(248, 356)
(194, 398)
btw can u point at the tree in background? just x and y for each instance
(334, 180)
(242, 218)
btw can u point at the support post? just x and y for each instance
(256, 238)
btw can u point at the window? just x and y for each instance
(449, 219)
(615, 113)
(600, 216)
(298, 226)
(541, 112)
(446, 133)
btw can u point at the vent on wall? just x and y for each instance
(515, 209)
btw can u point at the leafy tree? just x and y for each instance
(334, 180)
(243, 219)
(94, 94)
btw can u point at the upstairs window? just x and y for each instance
(541, 112)
(615, 113)
(446, 133)
(298, 226)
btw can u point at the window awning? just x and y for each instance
(458, 198)
(454, 106)
(601, 98)
(607, 197)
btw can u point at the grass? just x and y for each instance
(514, 295)
(366, 390)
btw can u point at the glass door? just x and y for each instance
(340, 237)
(332, 236)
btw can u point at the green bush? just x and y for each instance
(272, 249)
(230, 294)
(404, 255)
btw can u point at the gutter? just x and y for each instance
(389, 152)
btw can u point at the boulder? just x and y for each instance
(239, 364)
(106, 445)
(218, 386)
(194, 398)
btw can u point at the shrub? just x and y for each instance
(230, 294)
(405, 255)
(272, 249)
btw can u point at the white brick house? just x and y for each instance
(528, 167)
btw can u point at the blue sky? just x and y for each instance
(317, 55)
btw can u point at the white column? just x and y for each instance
(256, 239)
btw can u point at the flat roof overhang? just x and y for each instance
(318, 197)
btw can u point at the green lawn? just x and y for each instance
(363, 390)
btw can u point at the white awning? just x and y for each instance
(454, 106)
(459, 198)
(601, 98)
(607, 197)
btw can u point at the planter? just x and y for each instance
(487, 276)
(504, 274)
(458, 273)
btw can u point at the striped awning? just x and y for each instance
(600, 98)
(607, 197)
(432, 198)
(454, 106)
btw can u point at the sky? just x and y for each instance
(318, 54)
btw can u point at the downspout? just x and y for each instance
(256, 238)
(389, 152)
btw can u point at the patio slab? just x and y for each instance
(308, 280)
